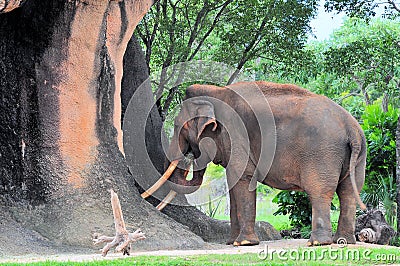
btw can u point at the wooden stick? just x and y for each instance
(122, 238)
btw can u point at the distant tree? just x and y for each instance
(363, 8)
(367, 54)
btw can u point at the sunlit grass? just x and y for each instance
(302, 256)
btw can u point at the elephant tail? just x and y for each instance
(358, 147)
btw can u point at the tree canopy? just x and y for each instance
(234, 32)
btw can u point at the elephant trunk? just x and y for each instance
(181, 185)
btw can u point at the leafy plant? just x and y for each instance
(384, 194)
(380, 128)
(380, 131)
(214, 171)
(297, 205)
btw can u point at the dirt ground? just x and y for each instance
(86, 255)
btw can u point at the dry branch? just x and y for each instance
(122, 238)
(9, 5)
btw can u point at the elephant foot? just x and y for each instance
(319, 240)
(344, 239)
(230, 241)
(251, 240)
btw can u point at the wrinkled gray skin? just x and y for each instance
(315, 141)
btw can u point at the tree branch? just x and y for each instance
(247, 50)
(347, 96)
(194, 32)
(7, 5)
(394, 5)
(214, 23)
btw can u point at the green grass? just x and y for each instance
(309, 256)
(265, 210)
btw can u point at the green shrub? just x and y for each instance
(380, 132)
(297, 205)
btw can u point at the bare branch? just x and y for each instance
(394, 5)
(122, 238)
(9, 5)
(245, 55)
(214, 23)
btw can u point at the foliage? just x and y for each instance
(363, 8)
(210, 209)
(380, 131)
(380, 184)
(366, 54)
(214, 171)
(306, 231)
(297, 205)
(395, 241)
(263, 189)
(232, 31)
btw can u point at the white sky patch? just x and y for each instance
(325, 23)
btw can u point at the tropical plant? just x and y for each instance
(380, 184)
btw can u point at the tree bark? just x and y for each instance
(60, 135)
(398, 173)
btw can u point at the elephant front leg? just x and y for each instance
(235, 227)
(244, 202)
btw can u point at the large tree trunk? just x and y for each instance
(60, 132)
(398, 174)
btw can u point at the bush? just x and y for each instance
(380, 183)
(380, 132)
(297, 205)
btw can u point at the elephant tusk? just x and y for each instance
(162, 180)
(171, 195)
(167, 200)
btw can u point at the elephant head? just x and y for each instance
(194, 127)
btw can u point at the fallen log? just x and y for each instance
(122, 239)
(372, 227)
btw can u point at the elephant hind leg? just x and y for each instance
(320, 188)
(346, 224)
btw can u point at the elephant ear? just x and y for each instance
(205, 115)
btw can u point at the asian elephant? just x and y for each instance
(278, 134)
